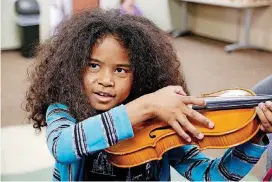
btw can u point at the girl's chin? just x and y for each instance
(103, 107)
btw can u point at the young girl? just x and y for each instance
(104, 72)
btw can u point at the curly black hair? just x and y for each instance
(60, 61)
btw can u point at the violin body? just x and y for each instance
(153, 138)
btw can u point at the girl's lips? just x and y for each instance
(103, 98)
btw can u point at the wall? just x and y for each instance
(81, 4)
(157, 11)
(45, 24)
(10, 37)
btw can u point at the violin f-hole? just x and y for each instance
(160, 128)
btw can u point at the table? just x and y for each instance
(246, 5)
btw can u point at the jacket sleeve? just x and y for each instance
(69, 140)
(191, 163)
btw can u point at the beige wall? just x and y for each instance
(10, 34)
(158, 11)
(45, 25)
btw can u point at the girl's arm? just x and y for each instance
(235, 163)
(69, 141)
(191, 163)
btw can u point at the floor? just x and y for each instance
(207, 68)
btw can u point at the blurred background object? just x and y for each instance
(58, 10)
(28, 20)
(130, 7)
(82, 4)
(207, 67)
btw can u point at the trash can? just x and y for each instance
(28, 20)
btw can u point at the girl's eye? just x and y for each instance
(120, 70)
(93, 65)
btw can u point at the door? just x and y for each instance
(82, 4)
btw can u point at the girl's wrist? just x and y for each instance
(148, 106)
(140, 109)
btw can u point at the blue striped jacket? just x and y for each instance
(71, 141)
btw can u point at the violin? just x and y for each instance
(232, 112)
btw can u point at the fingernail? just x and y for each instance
(200, 136)
(188, 139)
(183, 93)
(211, 125)
(268, 103)
(262, 106)
(262, 128)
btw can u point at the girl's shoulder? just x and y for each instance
(58, 112)
(57, 106)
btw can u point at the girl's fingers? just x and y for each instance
(176, 126)
(193, 100)
(179, 90)
(267, 112)
(262, 118)
(268, 105)
(262, 128)
(196, 116)
(185, 123)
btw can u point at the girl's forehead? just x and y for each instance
(109, 49)
(108, 37)
(110, 41)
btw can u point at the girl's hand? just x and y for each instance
(170, 105)
(264, 112)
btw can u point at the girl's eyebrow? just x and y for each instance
(92, 59)
(124, 65)
(118, 65)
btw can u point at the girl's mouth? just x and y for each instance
(103, 96)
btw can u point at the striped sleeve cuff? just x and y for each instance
(251, 149)
(121, 122)
(101, 131)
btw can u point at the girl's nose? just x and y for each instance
(106, 79)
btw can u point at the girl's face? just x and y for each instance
(108, 78)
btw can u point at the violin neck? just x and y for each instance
(223, 103)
